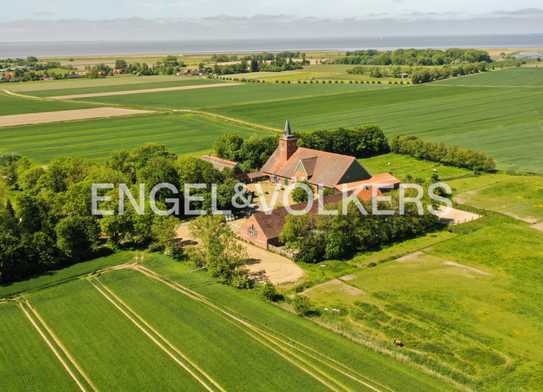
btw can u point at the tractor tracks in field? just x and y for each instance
(67, 361)
(322, 368)
(160, 341)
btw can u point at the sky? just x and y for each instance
(112, 9)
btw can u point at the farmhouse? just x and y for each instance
(263, 229)
(290, 163)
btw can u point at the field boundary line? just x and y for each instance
(52, 347)
(126, 312)
(228, 119)
(267, 335)
(14, 94)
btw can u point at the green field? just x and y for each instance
(25, 362)
(120, 81)
(518, 77)
(233, 96)
(50, 92)
(97, 139)
(127, 330)
(17, 105)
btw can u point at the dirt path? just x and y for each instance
(144, 91)
(66, 115)
(160, 341)
(229, 119)
(538, 226)
(275, 268)
(56, 346)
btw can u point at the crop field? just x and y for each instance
(239, 95)
(518, 77)
(10, 104)
(143, 85)
(96, 139)
(141, 328)
(123, 82)
(505, 122)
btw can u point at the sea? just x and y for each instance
(96, 48)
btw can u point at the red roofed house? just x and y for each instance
(290, 163)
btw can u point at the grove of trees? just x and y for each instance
(415, 57)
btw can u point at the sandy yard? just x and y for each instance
(262, 263)
(66, 115)
(144, 91)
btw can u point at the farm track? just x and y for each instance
(321, 367)
(160, 341)
(68, 362)
(228, 119)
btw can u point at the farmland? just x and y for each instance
(96, 139)
(137, 328)
(10, 104)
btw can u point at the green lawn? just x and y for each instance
(108, 347)
(518, 196)
(466, 307)
(26, 363)
(97, 139)
(122, 87)
(10, 104)
(403, 166)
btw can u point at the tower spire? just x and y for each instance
(288, 130)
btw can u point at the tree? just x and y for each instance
(121, 65)
(77, 237)
(299, 194)
(218, 251)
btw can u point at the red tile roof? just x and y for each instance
(324, 168)
(219, 163)
(382, 180)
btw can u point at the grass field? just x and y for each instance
(17, 105)
(465, 307)
(240, 95)
(50, 92)
(122, 80)
(504, 122)
(403, 166)
(180, 330)
(25, 361)
(96, 139)
(517, 77)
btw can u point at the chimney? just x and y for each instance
(287, 143)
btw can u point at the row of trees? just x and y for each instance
(440, 73)
(415, 57)
(50, 223)
(170, 65)
(314, 238)
(362, 142)
(442, 153)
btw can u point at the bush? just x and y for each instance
(270, 293)
(302, 305)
